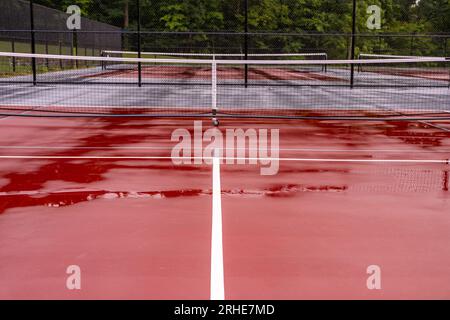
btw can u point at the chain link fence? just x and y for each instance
(50, 31)
(383, 27)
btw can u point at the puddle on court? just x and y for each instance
(69, 198)
(63, 199)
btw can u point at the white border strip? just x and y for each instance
(222, 62)
(217, 273)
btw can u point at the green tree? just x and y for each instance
(436, 14)
(192, 15)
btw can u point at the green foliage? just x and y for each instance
(436, 13)
(192, 15)
(266, 15)
(330, 18)
(63, 4)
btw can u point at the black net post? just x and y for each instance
(60, 53)
(33, 43)
(72, 49)
(246, 41)
(353, 46)
(139, 41)
(75, 45)
(445, 46)
(13, 49)
(47, 62)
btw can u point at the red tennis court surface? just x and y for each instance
(103, 194)
(229, 73)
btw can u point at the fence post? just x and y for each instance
(75, 46)
(47, 63)
(33, 43)
(13, 49)
(246, 43)
(445, 47)
(138, 3)
(61, 65)
(353, 46)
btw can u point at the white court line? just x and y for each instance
(418, 161)
(217, 273)
(195, 148)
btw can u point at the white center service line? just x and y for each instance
(217, 273)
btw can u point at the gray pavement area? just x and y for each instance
(94, 89)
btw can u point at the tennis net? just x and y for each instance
(375, 56)
(214, 56)
(388, 89)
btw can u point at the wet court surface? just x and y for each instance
(105, 195)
